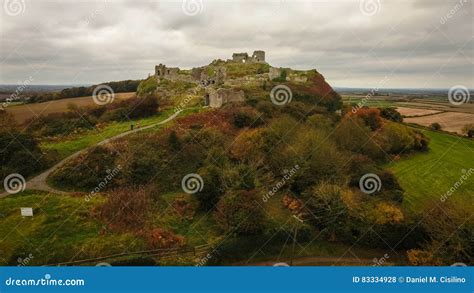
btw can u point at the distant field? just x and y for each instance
(428, 104)
(21, 113)
(449, 121)
(415, 112)
(427, 176)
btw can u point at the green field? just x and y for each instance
(60, 230)
(428, 176)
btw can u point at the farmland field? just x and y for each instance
(427, 176)
(21, 113)
(449, 121)
(415, 112)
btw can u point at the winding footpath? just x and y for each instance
(39, 182)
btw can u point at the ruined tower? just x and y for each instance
(257, 57)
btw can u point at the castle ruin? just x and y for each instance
(213, 78)
(257, 57)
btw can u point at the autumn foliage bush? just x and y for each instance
(125, 209)
(239, 212)
(157, 238)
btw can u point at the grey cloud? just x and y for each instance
(95, 41)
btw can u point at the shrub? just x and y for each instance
(396, 138)
(239, 212)
(246, 117)
(212, 190)
(86, 171)
(19, 153)
(132, 108)
(435, 126)
(353, 135)
(125, 209)
(370, 116)
(391, 114)
(160, 238)
(325, 208)
(147, 86)
(468, 129)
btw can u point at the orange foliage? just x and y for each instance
(371, 117)
(161, 238)
(125, 209)
(293, 204)
(221, 120)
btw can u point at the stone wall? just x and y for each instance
(216, 98)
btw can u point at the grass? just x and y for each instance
(61, 229)
(67, 147)
(198, 230)
(428, 176)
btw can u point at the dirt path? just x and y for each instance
(39, 182)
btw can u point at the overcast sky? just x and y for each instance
(368, 43)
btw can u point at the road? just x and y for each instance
(39, 182)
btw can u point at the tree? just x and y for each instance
(19, 153)
(468, 129)
(173, 141)
(325, 208)
(212, 189)
(391, 114)
(435, 126)
(370, 116)
(239, 212)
